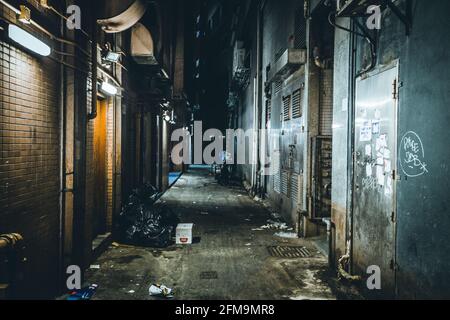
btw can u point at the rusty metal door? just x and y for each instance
(374, 182)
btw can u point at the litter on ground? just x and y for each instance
(287, 235)
(157, 290)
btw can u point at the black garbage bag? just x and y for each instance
(150, 226)
(142, 222)
(147, 193)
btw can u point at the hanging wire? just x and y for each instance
(367, 38)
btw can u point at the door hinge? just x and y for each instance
(394, 89)
(393, 217)
(394, 175)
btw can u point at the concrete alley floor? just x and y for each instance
(230, 259)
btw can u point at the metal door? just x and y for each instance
(374, 169)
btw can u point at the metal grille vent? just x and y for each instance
(300, 29)
(297, 111)
(269, 110)
(287, 108)
(277, 175)
(277, 86)
(285, 183)
(277, 183)
(289, 252)
(326, 103)
(294, 188)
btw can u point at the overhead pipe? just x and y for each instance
(94, 62)
(10, 241)
(122, 15)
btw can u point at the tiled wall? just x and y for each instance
(29, 162)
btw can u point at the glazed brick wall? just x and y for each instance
(90, 168)
(29, 162)
(109, 163)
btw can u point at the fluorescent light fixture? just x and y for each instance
(28, 41)
(112, 56)
(167, 116)
(109, 89)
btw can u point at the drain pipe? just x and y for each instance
(62, 159)
(343, 265)
(93, 114)
(329, 224)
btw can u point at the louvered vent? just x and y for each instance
(294, 188)
(297, 111)
(269, 110)
(277, 173)
(277, 182)
(326, 103)
(297, 190)
(287, 108)
(285, 183)
(277, 86)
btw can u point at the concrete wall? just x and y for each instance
(278, 29)
(422, 203)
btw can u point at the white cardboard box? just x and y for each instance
(184, 233)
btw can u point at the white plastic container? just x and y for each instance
(184, 233)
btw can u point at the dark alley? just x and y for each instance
(173, 151)
(229, 256)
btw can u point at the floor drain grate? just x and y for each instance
(208, 275)
(289, 252)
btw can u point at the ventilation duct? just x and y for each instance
(120, 15)
(287, 63)
(142, 49)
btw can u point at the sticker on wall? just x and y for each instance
(412, 155)
(368, 170)
(376, 127)
(368, 150)
(387, 166)
(380, 175)
(377, 114)
(388, 188)
(369, 183)
(365, 134)
(380, 161)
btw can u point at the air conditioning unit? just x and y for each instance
(239, 57)
(355, 8)
(290, 61)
